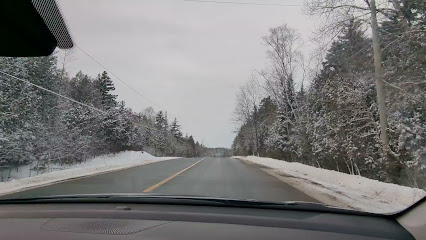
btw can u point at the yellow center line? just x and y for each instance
(155, 186)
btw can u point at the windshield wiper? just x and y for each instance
(181, 200)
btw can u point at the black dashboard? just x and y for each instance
(161, 221)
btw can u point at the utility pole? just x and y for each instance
(379, 79)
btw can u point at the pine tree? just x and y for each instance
(281, 138)
(404, 54)
(351, 52)
(161, 126)
(43, 72)
(175, 129)
(18, 101)
(345, 133)
(191, 152)
(106, 87)
(267, 114)
(82, 89)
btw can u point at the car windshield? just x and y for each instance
(319, 101)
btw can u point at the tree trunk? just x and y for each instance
(256, 131)
(379, 81)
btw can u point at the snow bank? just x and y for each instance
(341, 189)
(101, 164)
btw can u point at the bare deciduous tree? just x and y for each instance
(286, 60)
(246, 110)
(65, 57)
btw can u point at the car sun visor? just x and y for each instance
(31, 28)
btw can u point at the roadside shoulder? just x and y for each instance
(339, 189)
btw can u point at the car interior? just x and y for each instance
(174, 217)
(36, 28)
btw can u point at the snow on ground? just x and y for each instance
(341, 189)
(105, 163)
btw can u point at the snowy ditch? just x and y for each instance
(20, 181)
(340, 189)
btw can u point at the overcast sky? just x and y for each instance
(189, 58)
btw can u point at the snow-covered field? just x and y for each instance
(20, 180)
(341, 189)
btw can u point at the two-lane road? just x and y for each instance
(215, 177)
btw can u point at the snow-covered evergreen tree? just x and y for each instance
(161, 126)
(106, 87)
(175, 129)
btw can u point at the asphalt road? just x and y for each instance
(216, 177)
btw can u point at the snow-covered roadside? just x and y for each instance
(100, 164)
(341, 189)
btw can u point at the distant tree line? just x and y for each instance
(39, 127)
(217, 152)
(334, 123)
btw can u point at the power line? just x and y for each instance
(244, 3)
(62, 96)
(129, 86)
(52, 92)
